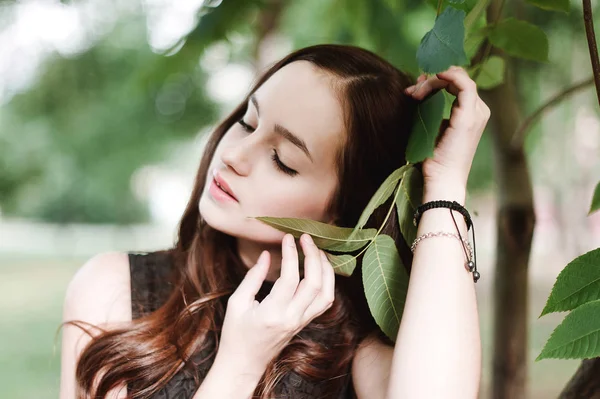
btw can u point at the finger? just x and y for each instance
(310, 286)
(484, 110)
(428, 86)
(442, 131)
(461, 85)
(287, 283)
(327, 295)
(456, 81)
(422, 78)
(254, 278)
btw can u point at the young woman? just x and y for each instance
(231, 312)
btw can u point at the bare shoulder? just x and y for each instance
(100, 291)
(371, 368)
(99, 294)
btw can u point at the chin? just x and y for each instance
(237, 225)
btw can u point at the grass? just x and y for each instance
(31, 306)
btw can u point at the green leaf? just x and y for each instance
(394, 5)
(325, 236)
(577, 284)
(458, 4)
(410, 197)
(381, 195)
(595, 199)
(577, 337)
(443, 46)
(386, 283)
(475, 14)
(551, 5)
(491, 73)
(520, 39)
(473, 41)
(427, 127)
(342, 264)
(448, 101)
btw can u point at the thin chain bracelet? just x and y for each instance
(469, 265)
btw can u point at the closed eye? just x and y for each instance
(281, 166)
(246, 126)
(274, 157)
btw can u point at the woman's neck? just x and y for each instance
(249, 251)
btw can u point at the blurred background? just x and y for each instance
(104, 107)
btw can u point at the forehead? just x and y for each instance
(301, 98)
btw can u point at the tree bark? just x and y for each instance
(515, 223)
(585, 383)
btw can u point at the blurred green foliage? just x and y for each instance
(70, 143)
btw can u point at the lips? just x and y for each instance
(222, 184)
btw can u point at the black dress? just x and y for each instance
(150, 274)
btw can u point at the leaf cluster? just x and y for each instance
(576, 290)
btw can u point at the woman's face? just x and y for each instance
(279, 160)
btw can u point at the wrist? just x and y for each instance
(228, 380)
(447, 190)
(247, 372)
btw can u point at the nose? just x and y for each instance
(237, 156)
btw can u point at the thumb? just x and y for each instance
(254, 278)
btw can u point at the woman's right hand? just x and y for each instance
(254, 333)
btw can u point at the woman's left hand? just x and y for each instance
(455, 149)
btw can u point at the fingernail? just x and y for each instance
(409, 89)
(261, 258)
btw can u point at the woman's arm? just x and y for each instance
(437, 351)
(438, 348)
(98, 294)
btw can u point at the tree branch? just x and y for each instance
(585, 382)
(519, 136)
(591, 39)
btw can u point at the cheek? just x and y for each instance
(300, 201)
(227, 140)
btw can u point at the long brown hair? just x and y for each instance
(153, 348)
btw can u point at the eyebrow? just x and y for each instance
(285, 133)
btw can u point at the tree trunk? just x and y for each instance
(515, 222)
(514, 235)
(585, 383)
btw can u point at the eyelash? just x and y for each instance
(280, 165)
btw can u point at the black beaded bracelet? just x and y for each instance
(453, 206)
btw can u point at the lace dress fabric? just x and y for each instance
(150, 287)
